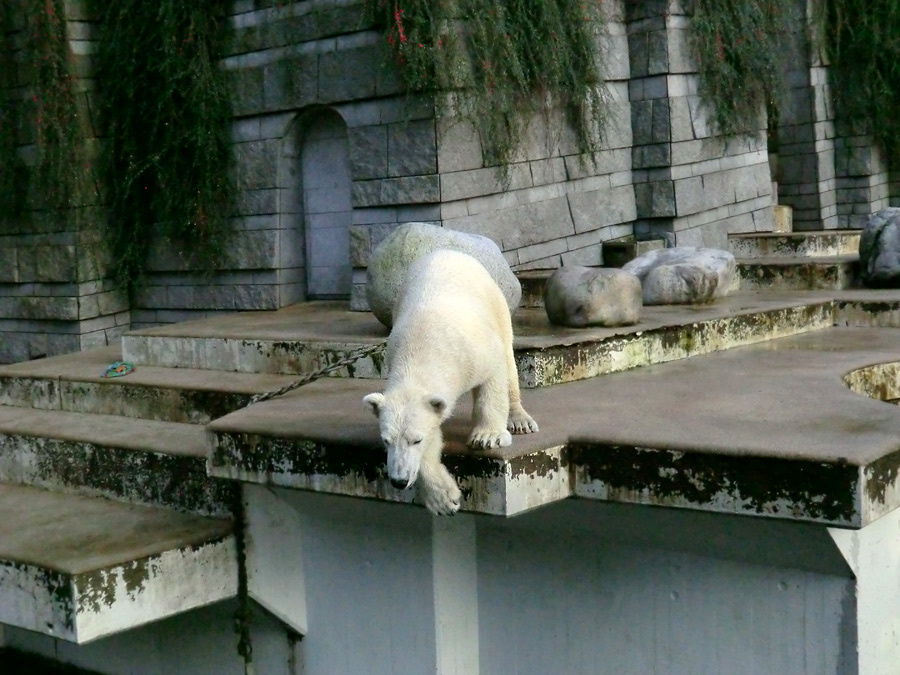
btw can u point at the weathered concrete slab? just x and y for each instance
(832, 273)
(72, 383)
(294, 340)
(80, 568)
(769, 430)
(139, 461)
(826, 243)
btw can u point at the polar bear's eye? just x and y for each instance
(416, 442)
(385, 440)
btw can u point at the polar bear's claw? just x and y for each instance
(522, 424)
(485, 439)
(443, 500)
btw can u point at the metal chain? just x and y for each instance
(349, 359)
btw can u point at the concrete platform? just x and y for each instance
(79, 568)
(297, 339)
(72, 383)
(832, 273)
(795, 244)
(769, 430)
(132, 460)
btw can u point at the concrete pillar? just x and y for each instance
(873, 554)
(689, 183)
(806, 149)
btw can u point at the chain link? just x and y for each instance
(349, 359)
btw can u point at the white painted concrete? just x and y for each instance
(873, 554)
(455, 569)
(274, 549)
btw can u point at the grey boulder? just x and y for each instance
(392, 257)
(879, 249)
(683, 275)
(592, 296)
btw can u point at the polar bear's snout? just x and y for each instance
(403, 466)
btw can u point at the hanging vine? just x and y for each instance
(863, 41)
(59, 181)
(167, 111)
(739, 45)
(502, 59)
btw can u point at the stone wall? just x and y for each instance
(55, 294)
(331, 155)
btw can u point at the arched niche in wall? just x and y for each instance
(316, 209)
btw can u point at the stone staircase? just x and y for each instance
(133, 464)
(797, 260)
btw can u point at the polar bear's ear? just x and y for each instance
(374, 401)
(439, 405)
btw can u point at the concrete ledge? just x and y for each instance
(768, 430)
(72, 383)
(79, 569)
(138, 461)
(832, 273)
(797, 244)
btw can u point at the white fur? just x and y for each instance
(452, 333)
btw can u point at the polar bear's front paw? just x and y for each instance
(483, 438)
(521, 423)
(443, 497)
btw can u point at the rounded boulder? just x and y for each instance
(879, 249)
(578, 297)
(683, 275)
(392, 257)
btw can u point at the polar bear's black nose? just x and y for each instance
(399, 483)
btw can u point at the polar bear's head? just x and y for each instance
(410, 428)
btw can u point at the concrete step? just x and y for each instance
(131, 460)
(828, 243)
(81, 568)
(545, 354)
(799, 274)
(73, 383)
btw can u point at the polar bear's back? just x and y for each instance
(451, 322)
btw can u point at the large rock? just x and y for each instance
(683, 275)
(392, 257)
(879, 249)
(592, 296)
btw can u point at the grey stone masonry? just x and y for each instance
(862, 186)
(55, 292)
(806, 147)
(689, 183)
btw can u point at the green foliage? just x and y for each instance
(503, 59)
(739, 44)
(167, 111)
(863, 40)
(10, 163)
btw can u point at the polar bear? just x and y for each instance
(452, 333)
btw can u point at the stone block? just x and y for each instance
(291, 83)
(368, 148)
(601, 208)
(479, 182)
(9, 266)
(655, 199)
(458, 146)
(246, 87)
(412, 148)
(256, 202)
(548, 171)
(348, 75)
(257, 164)
(407, 190)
